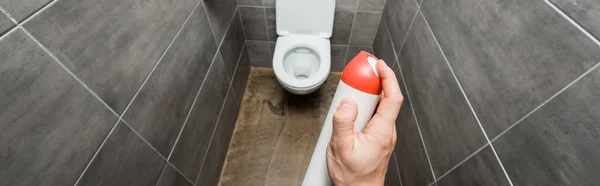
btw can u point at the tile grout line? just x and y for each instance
(351, 31)
(236, 66)
(595, 67)
(459, 164)
(362, 11)
(154, 149)
(397, 169)
(242, 23)
(213, 134)
(408, 94)
(267, 31)
(161, 174)
(468, 101)
(577, 25)
(336, 45)
(201, 86)
(210, 24)
(409, 29)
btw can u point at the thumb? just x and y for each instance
(343, 119)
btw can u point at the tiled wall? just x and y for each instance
(355, 26)
(118, 92)
(498, 92)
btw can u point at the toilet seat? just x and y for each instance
(285, 46)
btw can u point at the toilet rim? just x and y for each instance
(318, 77)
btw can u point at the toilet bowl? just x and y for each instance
(302, 57)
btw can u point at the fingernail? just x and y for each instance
(346, 102)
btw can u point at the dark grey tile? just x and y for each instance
(371, 5)
(241, 75)
(111, 48)
(160, 109)
(410, 153)
(254, 22)
(250, 2)
(259, 53)
(481, 169)
(272, 45)
(382, 46)
(170, 177)
(511, 57)
(211, 171)
(233, 44)
(347, 5)
(391, 176)
(342, 25)
(585, 12)
(51, 126)
(21, 9)
(338, 58)
(450, 131)
(220, 13)
(124, 159)
(354, 50)
(269, 3)
(399, 15)
(559, 143)
(365, 28)
(5, 24)
(271, 24)
(195, 138)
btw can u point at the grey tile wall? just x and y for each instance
(259, 21)
(39, 145)
(526, 70)
(74, 67)
(502, 82)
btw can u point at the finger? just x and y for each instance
(343, 119)
(390, 102)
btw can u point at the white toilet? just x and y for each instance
(302, 56)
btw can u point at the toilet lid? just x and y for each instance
(311, 17)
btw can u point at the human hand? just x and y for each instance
(361, 158)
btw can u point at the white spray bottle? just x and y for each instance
(361, 82)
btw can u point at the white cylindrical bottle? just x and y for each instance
(360, 82)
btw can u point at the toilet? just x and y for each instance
(302, 57)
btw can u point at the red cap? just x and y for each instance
(361, 74)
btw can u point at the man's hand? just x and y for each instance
(361, 158)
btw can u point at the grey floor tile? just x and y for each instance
(195, 138)
(21, 9)
(585, 12)
(371, 5)
(365, 28)
(161, 107)
(124, 159)
(413, 165)
(259, 53)
(51, 125)
(111, 48)
(170, 177)
(271, 24)
(511, 57)
(354, 50)
(382, 46)
(254, 22)
(338, 58)
(211, 171)
(220, 13)
(481, 169)
(559, 143)
(5, 24)
(232, 45)
(342, 25)
(449, 128)
(391, 176)
(241, 75)
(347, 5)
(250, 2)
(399, 15)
